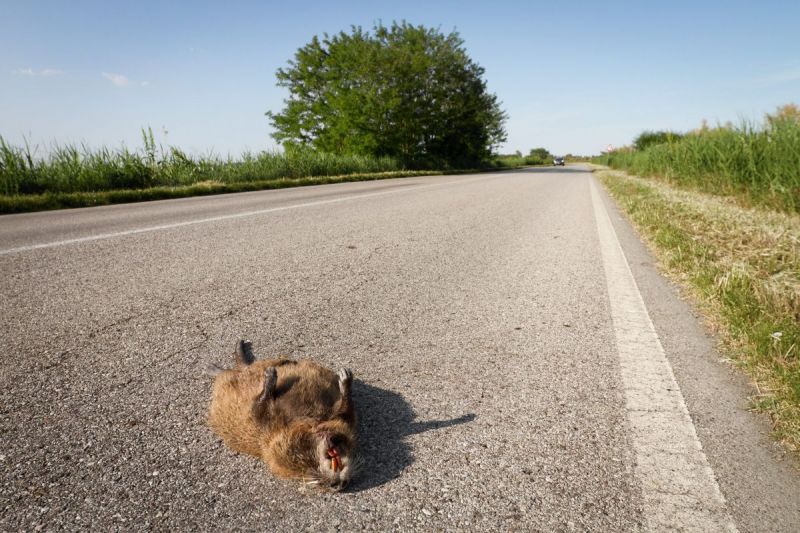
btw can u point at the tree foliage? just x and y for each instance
(540, 153)
(403, 91)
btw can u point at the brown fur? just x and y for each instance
(289, 414)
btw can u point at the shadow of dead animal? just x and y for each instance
(297, 416)
(386, 421)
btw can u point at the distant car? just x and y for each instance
(558, 161)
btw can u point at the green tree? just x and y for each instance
(404, 91)
(540, 153)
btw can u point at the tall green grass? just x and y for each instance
(74, 169)
(758, 164)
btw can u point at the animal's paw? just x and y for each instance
(244, 353)
(270, 379)
(345, 378)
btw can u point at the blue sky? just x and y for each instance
(573, 78)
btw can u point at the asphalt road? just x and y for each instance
(477, 313)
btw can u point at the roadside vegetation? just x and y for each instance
(72, 176)
(536, 157)
(719, 208)
(755, 164)
(72, 169)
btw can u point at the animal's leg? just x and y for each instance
(345, 380)
(344, 407)
(243, 355)
(262, 404)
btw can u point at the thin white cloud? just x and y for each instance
(144, 83)
(45, 73)
(117, 79)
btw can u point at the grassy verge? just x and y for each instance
(742, 265)
(42, 202)
(49, 201)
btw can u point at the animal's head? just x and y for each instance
(321, 454)
(335, 454)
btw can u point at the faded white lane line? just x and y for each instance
(679, 489)
(103, 236)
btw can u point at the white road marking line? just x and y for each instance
(679, 489)
(148, 229)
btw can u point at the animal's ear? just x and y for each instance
(244, 353)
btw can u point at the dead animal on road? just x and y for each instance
(297, 416)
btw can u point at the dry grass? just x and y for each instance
(742, 265)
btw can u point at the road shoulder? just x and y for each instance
(760, 480)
